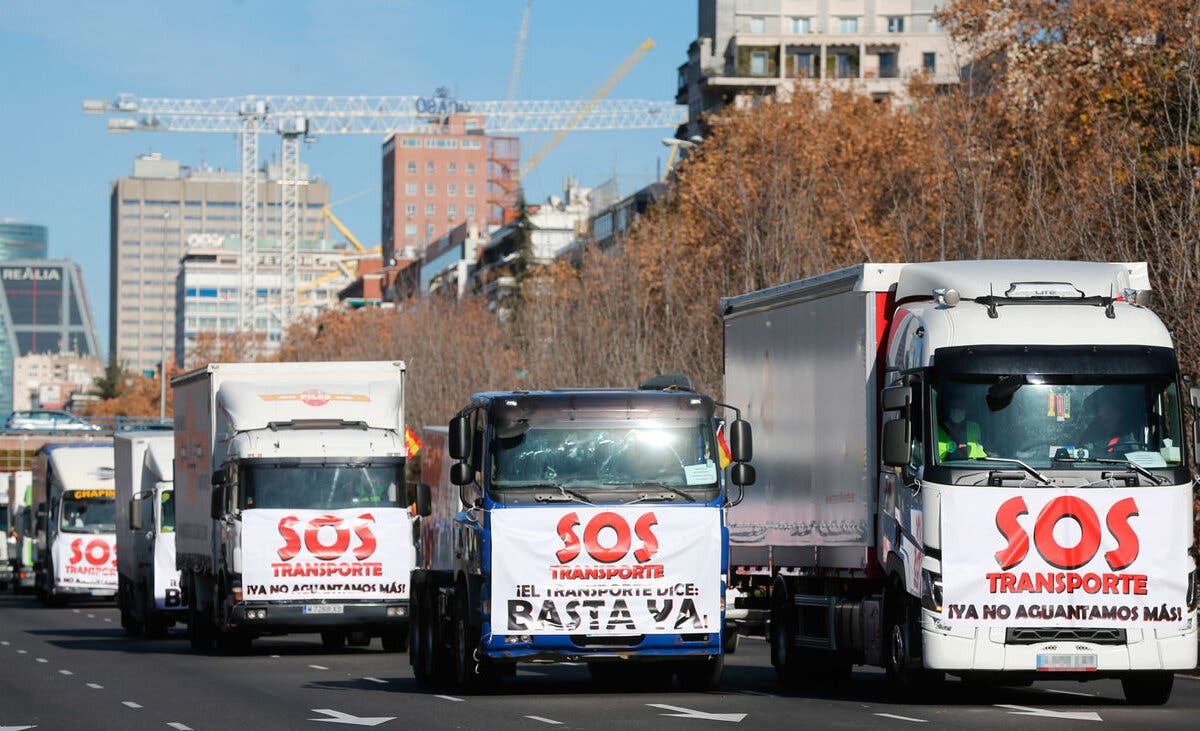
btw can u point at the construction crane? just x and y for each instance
(300, 118)
(361, 251)
(518, 62)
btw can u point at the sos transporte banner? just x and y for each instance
(168, 593)
(1095, 557)
(362, 553)
(86, 561)
(606, 571)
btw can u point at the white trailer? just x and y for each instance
(20, 529)
(957, 463)
(292, 513)
(77, 545)
(149, 593)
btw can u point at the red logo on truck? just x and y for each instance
(620, 536)
(1067, 558)
(314, 397)
(97, 552)
(336, 541)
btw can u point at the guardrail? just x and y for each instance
(92, 425)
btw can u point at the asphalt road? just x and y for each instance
(74, 668)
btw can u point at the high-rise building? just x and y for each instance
(443, 175)
(43, 309)
(762, 47)
(152, 215)
(49, 380)
(22, 240)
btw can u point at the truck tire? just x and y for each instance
(201, 632)
(781, 634)
(333, 640)
(905, 675)
(1148, 689)
(472, 672)
(699, 676)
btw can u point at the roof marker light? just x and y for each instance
(946, 296)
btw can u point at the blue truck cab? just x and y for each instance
(582, 526)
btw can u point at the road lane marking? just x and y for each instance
(179, 726)
(95, 686)
(276, 657)
(318, 667)
(450, 698)
(1178, 675)
(4, 642)
(550, 721)
(376, 680)
(65, 672)
(1067, 692)
(42, 659)
(131, 704)
(75, 611)
(1046, 713)
(91, 616)
(349, 718)
(902, 718)
(108, 619)
(758, 693)
(691, 713)
(22, 652)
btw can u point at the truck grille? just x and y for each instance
(1034, 635)
(611, 641)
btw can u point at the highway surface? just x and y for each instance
(74, 668)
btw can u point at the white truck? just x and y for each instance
(8, 546)
(973, 467)
(19, 527)
(149, 594)
(77, 544)
(291, 507)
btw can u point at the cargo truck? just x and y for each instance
(8, 547)
(76, 522)
(976, 468)
(581, 525)
(291, 509)
(149, 594)
(21, 536)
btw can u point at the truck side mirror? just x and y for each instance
(135, 515)
(896, 398)
(424, 500)
(897, 442)
(741, 474)
(461, 473)
(1195, 390)
(741, 443)
(216, 508)
(219, 477)
(40, 523)
(459, 442)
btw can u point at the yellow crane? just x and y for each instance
(361, 251)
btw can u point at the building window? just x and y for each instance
(410, 229)
(471, 145)
(842, 64)
(429, 209)
(429, 168)
(758, 25)
(410, 188)
(847, 25)
(452, 168)
(470, 212)
(429, 230)
(412, 167)
(470, 190)
(470, 168)
(410, 210)
(888, 68)
(804, 65)
(801, 25)
(934, 26)
(412, 142)
(451, 190)
(452, 212)
(895, 24)
(758, 63)
(430, 189)
(929, 61)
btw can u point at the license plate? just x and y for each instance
(1064, 663)
(323, 608)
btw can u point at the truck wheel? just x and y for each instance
(416, 653)
(333, 640)
(201, 633)
(471, 673)
(730, 641)
(699, 676)
(394, 640)
(784, 655)
(1148, 689)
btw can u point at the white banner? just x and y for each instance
(168, 594)
(1046, 557)
(606, 571)
(364, 553)
(85, 561)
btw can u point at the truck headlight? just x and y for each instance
(931, 590)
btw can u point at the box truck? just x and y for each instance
(21, 537)
(149, 594)
(972, 467)
(76, 522)
(581, 525)
(290, 502)
(8, 546)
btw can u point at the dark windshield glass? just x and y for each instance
(321, 487)
(606, 455)
(89, 511)
(4, 519)
(1055, 421)
(166, 513)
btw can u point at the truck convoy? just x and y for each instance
(20, 529)
(972, 467)
(76, 541)
(149, 594)
(291, 508)
(582, 525)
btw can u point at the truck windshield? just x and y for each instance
(1057, 422)
(89, 511)
(607, 456)
(166, 512)
(4, 519)
(321, 486)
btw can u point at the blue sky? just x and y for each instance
(56, 163)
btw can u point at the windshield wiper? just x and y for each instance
(564, 495)
(1127, 462)
(674, 490)
(1009, 460)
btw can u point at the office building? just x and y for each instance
(447, 173)
(22, 240)
(748, 48)
(44, 309)
(153, 215)
(50, 380)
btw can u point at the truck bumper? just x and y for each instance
(984, 649)
(578, 648)
(275, 616)
(100, 592)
